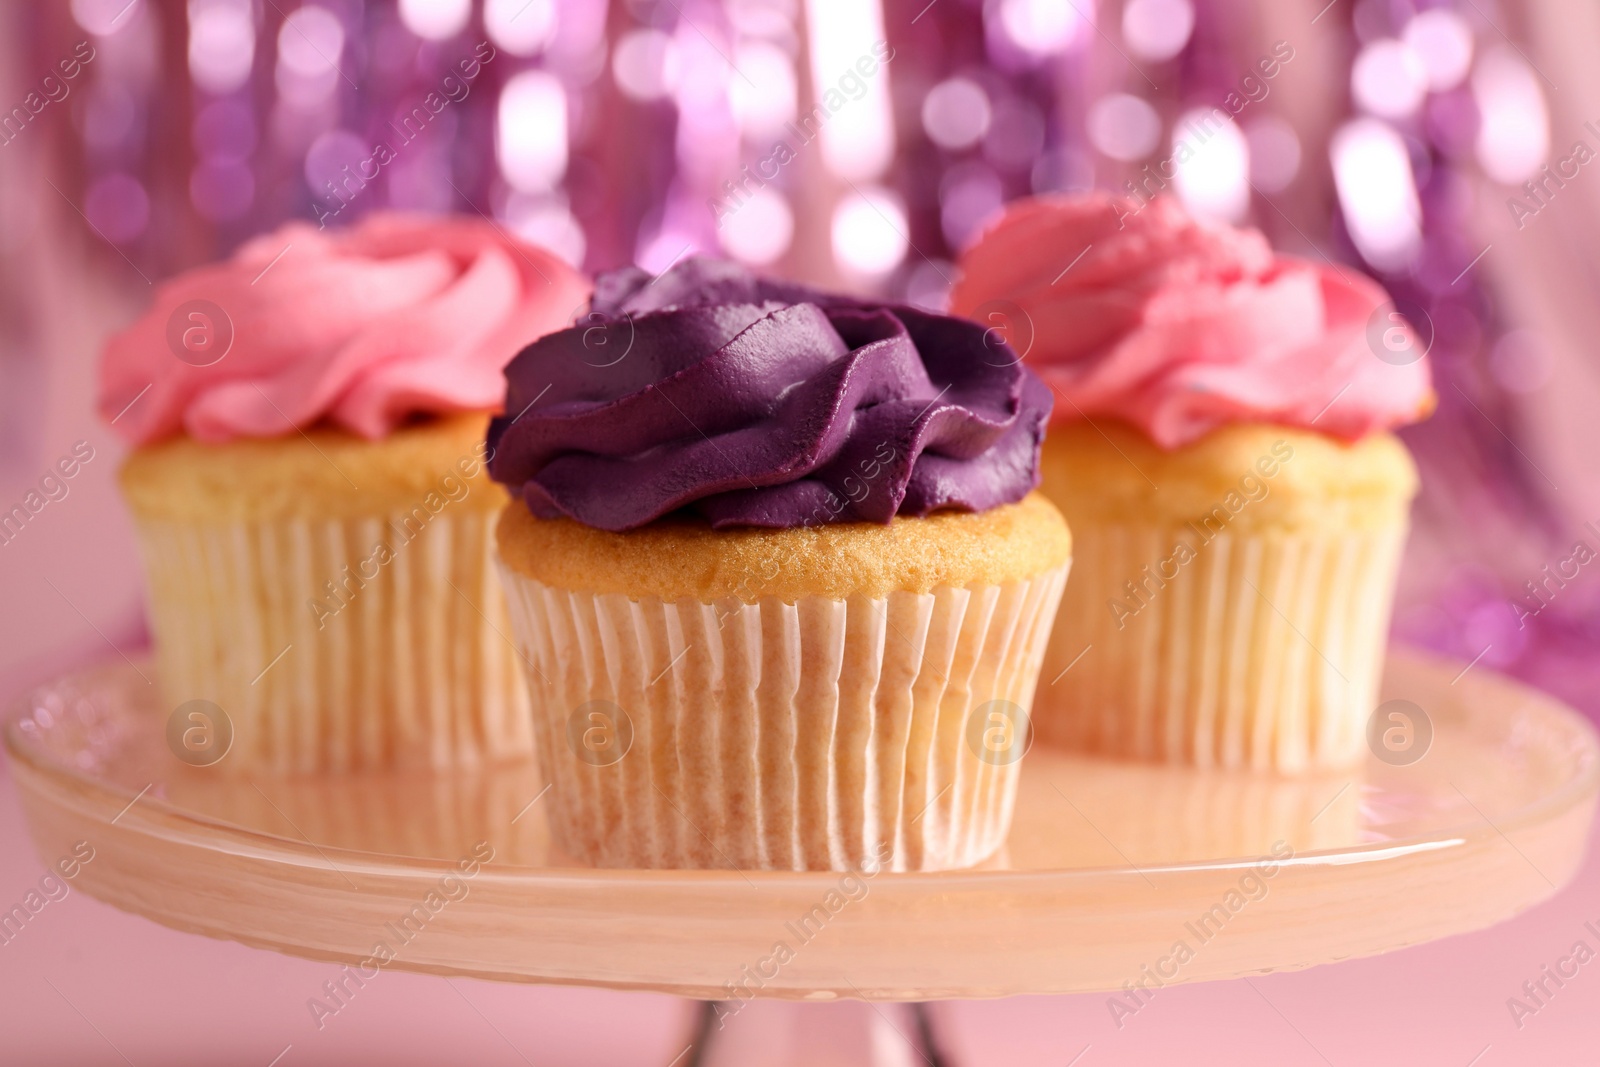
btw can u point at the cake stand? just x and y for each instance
(1116, 877)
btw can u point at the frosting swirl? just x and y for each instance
(362, 328)
(761, 403)
(1179, 327)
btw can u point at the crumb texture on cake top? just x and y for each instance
(321, 473)
(1265, 477)
(676, 560)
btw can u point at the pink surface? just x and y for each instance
(85, 984)
(1138, 312)
(395, 316)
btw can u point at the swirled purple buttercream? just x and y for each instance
(752, 402)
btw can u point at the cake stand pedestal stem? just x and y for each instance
(786, 1033)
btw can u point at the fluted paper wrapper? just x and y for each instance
(1264, 651)
(412, 667)
(818, 735)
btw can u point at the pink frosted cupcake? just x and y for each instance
(309, 490)
(1221, 451)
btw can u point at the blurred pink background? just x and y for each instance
(1399, 138)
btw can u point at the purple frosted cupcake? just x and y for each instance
(779, 573)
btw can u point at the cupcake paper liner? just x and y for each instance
(1263, 651)
(411, 667)
(816, 735)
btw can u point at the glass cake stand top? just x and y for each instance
(1113, 873)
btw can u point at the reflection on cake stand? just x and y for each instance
(1109, 868)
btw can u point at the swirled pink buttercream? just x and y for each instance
(360, 328)
(1178, 326)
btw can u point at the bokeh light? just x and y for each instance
(645, 64)
(764, 103)
(1274, 153)
(222, 43)
(858, 141)
(1157, 30)
(928, 285)
(759, 230)
(1442, 40)
(547, 221)
(335, 159)
(869, 232)
(1514, 125)
(1377, 193)
(971, 197)
(667, 247)
(956, 113)
(1042, 27)
(702, 95)
(310, 42)
(521, 27)
(1389, 78)
(105, 17)
(1213, 165)
(531, 131)
(436, 20)
(1123, 126)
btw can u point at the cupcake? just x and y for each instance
(308, 486)
(779, 573)
(1222, 451)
